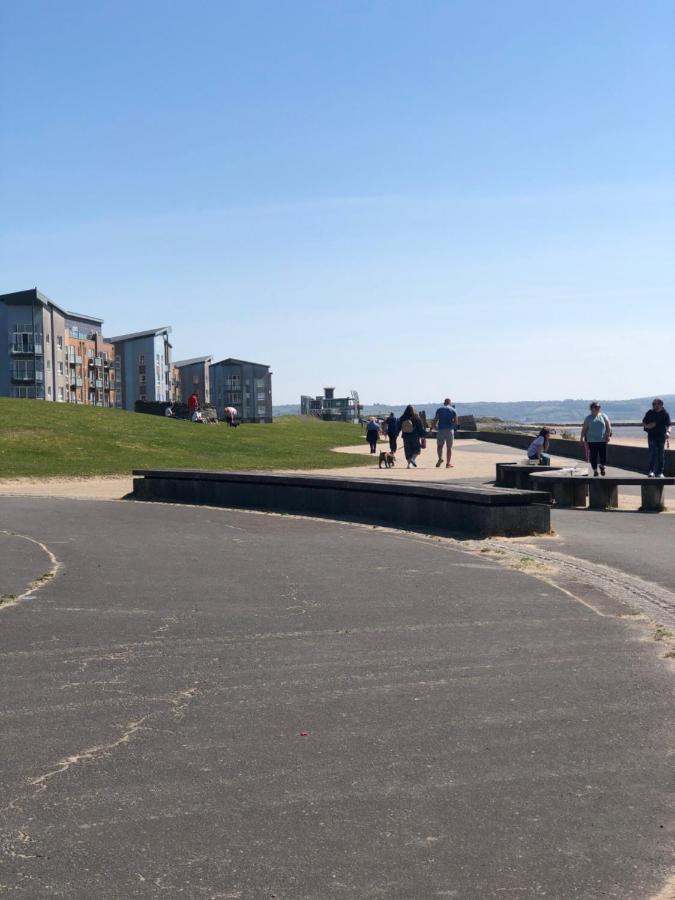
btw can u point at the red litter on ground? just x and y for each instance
(304, 734)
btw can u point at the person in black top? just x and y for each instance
(391, 423)
(657, 425)
(410, 427)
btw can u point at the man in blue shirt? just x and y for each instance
(445, 423)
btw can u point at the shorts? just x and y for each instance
(445, 436)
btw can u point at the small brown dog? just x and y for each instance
(388, 458)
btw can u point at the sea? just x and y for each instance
(634, 432)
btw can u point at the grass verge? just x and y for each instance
(39, 439)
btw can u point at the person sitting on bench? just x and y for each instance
(539, 447)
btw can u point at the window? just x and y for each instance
(61, 394)
(60, 368)
(141, 380)
(143, 397)
(47, 338)
(141, 359)
(23, 370)
(90, 353)
(141, 370)
(49, 365)
(49, 390)
(22, 339)
(59, 342)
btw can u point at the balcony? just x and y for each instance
(99, 383)
(22, 347)
(98, 361)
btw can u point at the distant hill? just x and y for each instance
(553, 411)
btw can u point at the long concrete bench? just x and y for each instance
(517, 474)
(602, 492)
(479, 510)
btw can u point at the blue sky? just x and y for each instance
(412, 200)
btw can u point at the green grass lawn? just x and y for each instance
(42, 439)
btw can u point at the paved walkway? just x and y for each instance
(473, 460)
(205, 703)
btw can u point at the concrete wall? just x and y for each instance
(635, 459)
(479, 511)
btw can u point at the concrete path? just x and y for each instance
(637, 543)
(202, 703)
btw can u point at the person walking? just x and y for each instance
(596, 431)
(445, 423)
(538, 449)
(410, 427)
(657, 425)
(392, 430)
(372, 433)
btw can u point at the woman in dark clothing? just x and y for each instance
(410, 427)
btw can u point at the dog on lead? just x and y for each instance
(388, 458)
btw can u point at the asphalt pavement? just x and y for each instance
(206, 703)
(637, 543)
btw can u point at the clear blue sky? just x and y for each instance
(410, 199)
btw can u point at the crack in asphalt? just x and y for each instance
(38, 583)
(178, 701)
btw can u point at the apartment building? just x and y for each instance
(89, 363)
(247, 386)
(143, 366)
(192, 377)
(49, 353)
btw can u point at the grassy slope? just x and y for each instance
(38, 438)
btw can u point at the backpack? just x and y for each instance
(407, 426)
